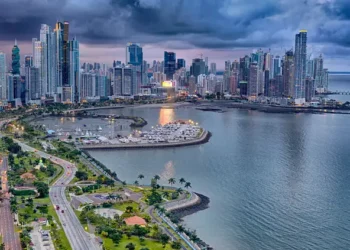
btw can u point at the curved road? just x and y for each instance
(78, 238)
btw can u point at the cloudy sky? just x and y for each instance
(220, 29)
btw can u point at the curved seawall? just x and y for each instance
(202, 139)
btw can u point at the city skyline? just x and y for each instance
(188, 34)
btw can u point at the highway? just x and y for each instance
(78, 238)
(7, 229)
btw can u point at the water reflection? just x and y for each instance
(168, 171)
(166, 115)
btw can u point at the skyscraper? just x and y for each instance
(66, 56)
(253, 88)
(58, 55)
(197, 68)
(309, 88)
(169, 64)
(134, 54)
(33, 83)
(74, 69)
(300, 66)
(212, 68)
(38, 62)
(3, 71)
(16, 59)
(28, 61)
(288, 74)
(181, 63)
(276, 66)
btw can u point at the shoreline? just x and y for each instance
(218, 106)
(203, 139)
(188, 209)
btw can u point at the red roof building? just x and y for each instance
(135, 220)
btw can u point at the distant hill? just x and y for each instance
(338, 73)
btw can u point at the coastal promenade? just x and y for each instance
(203, 138)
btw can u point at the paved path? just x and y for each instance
(7, 229)
(78, 238)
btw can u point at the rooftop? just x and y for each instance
(135, 220)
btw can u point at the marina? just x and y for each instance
(177, 133)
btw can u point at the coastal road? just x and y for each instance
(78, 238)
(7, 229)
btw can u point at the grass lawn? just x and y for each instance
(150, 244)
(122, 206)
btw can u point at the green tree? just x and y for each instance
(176, 245)
(171, 181)
(164, 239)
(130, 246)
(182, 181)
(81, 175)
(188, 185)
(136, 183)
(156, 177)
(43, 189)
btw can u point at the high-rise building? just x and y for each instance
(197, 68)
(38, 62)
(28, 61)
(58, 55)
(267, 83)
(276, 66)
(16, 59)
(134, 54)
(300, 56)
(33, 84)
(288, 74)
(74, 70)
(169, 64)
(66, 56)
(10, 87)
(123, 80)
(309, 88)
(244, 64)
(253, 88)
(181, 63)
(192, 87)
(212, 68)
(3, 71)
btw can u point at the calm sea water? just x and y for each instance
(276, 181)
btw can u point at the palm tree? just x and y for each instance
(124, 183)
(179, 190)
(110, 196)
(162, 210)
(141, 176)
(156, 177)
(188, 185)
(166, 194)
(182, 181)
(136, 183)
(180, 229)
(172, 181)
(118, 197)
(130, 246)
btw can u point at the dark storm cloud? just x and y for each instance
(193, 23)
